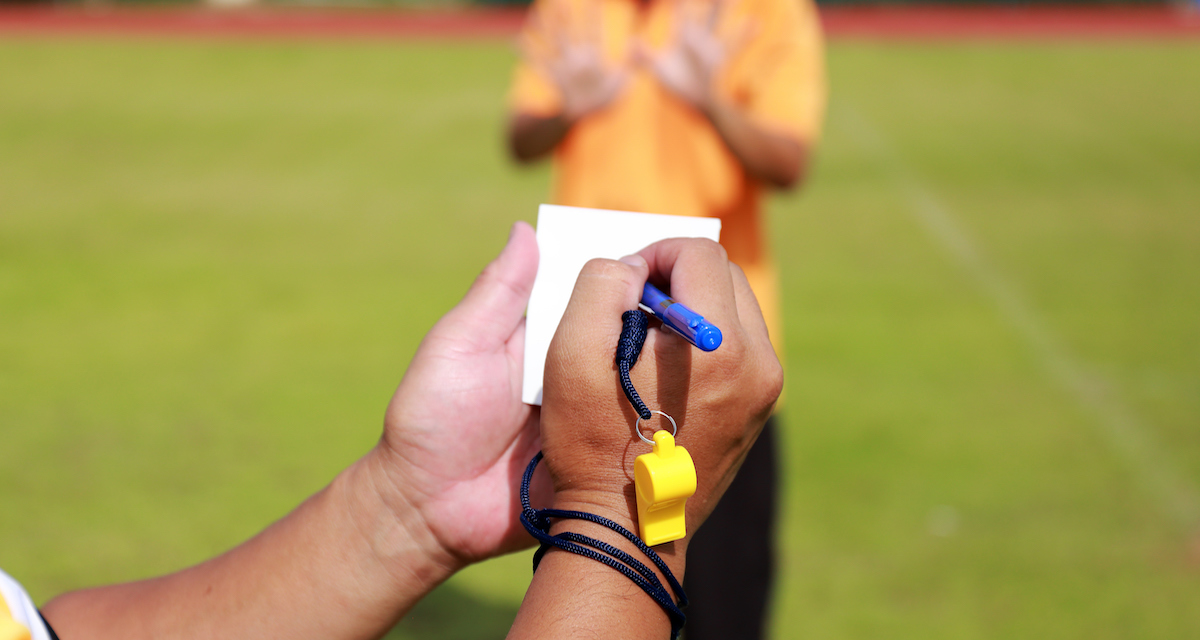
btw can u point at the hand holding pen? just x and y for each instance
(719, 400)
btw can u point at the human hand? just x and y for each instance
(573, 59)
(457, 436)
(437, 492)
(688, 67)
(720, 399)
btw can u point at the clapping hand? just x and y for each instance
(574, 60)
(700, 49)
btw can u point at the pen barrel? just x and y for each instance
(655, 300)
(687, 323)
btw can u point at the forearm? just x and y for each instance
(776, 159)
(531, 137)
(572, 596)
(345, 564)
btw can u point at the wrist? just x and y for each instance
(568, 116)
(391, 525)
(714, 107)
(618, 506)
(621, 508)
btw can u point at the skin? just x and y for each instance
(390, 527)
(719, 399)
(687, 68)
(354, 558)
(586, 82)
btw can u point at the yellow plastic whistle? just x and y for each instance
(664, 480)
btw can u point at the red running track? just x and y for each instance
(866, 22)
(252, 22)
(998, 22)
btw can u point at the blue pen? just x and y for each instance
(687, 323)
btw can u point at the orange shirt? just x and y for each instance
(650, 151)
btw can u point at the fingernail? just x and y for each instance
(636, 261)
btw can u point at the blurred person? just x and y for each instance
(440, 489)
(687, 107)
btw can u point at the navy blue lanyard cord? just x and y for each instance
(634, 326)
(627, 534)
(539, 518)
(537, 523)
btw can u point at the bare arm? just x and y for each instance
(351, 560)
(776, 159)
(576, 68)
(688, 68)
(572, 596)
(345, 564)
(531, 137)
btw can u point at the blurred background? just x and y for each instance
(223, 233)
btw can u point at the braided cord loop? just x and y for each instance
(537, 523)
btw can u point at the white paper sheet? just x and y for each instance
(567, 238)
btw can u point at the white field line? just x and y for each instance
(1128, 435)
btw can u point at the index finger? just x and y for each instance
(695, 271)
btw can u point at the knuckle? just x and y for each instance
(607, 270)
(489, 273)
(738, 272)
(710, 249)
(772, 384)
(495, 277)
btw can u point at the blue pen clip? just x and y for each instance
(687, 323)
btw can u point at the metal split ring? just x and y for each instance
(637, 426)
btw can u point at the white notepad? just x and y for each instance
(567, 238)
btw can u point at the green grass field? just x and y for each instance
(217, 257)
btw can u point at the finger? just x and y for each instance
(741, 37)
(594, 25)
(556, 25)
(627, 56)
(515, 349)
(616, 84)
(694, 14)
(643, 54)
(564, 44)
(604, 290)
(533, 51)
(575, 30)
(679, 11)
(749, 311)
(539, 32)
(712, 16)
(495, 305)
(654, 62)
(542, 62)
(627, 59)
(696, 272)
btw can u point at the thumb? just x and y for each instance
(616, 84)
(644, 56)
(495, 303)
